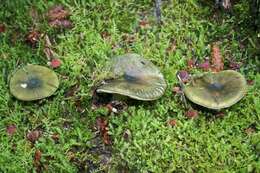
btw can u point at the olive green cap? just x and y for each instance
(216, 90)
(135, 77)
(33, 82)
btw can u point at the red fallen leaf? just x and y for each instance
(57, 12)
(34, 135)
(205, 65)
(2, 28)
(102, 125)
(176, 90)
(37, 160)
(63, 23)
(234, 65)
(33, 37)
(37, 156)
(55, 63)
(216, 59)
(191, 113)
(11, 129)
(184, 76)
(190, 63)
(172, 122)
(250, 82)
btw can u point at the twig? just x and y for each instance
(158, 11)
(183, 98)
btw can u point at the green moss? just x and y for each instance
(205, 144)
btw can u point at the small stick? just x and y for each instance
(5, 75)
(158, 11)
(183, 98)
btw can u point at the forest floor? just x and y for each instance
(68, 133)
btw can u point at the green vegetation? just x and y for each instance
(142, 140)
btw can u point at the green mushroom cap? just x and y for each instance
(33, 82)
(135, 77)
(216, 90)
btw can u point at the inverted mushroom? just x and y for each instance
(216, 90)
(135, 77)
(33, 82)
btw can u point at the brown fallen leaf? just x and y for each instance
(250, 130)
(191, 63)
(37, 160)
(72, 90)
(144, 24)
(79, 106)
(172, 122)
(102, 125)
(37, 155)
(33, 135)
(33, 37)
(129, 38)
(50, 54)
(62, 23)
(216, 59)
(220, 114)
(2, 28)
(127, 135)
(11, 129)
(250, 82)
(172, 47)
(184, 76)
(57, 12)
(55, 137)
(176, 90)
(191, 113)
(116, 106)
(105, 35)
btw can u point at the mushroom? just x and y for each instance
(33, 82)
(216, 90)
(135, 77)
